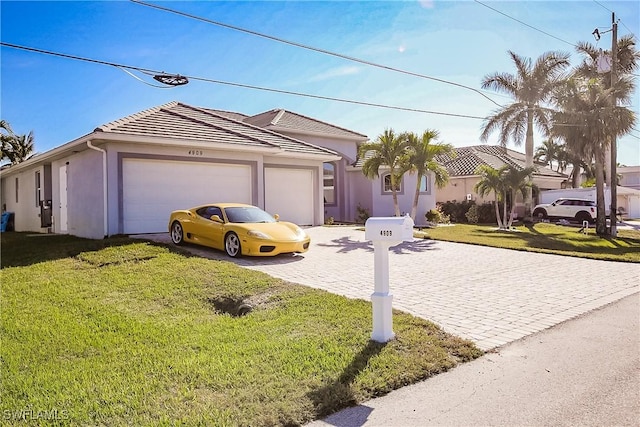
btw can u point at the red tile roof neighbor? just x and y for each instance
(468, 159)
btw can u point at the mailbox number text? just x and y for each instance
(386, 233)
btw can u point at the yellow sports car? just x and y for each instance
(237, 229)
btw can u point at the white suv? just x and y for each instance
(577, 209)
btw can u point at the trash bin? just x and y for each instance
(6, 223)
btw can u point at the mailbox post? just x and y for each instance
(384, 232)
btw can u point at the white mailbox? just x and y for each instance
(384, 232)
(393, 228)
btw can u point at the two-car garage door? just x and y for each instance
(153, 188)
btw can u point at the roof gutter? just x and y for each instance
(104, 185)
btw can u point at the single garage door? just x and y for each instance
(290, 194)
(151, 189)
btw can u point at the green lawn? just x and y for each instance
(117, 331)
(544, 237)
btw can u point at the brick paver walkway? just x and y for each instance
(491, 296)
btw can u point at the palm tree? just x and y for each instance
(567, 156)
(5, 137)
(530, 88)
(422, 151)
(627, 59)
(491, 182)
(588, 121)
(389, 151)
(20, 148)
(516, 181)
(548, 153)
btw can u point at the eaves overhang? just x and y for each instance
(79, 144)
(179, 142)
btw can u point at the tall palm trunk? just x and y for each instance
(416, 197)
(601, 221)
(504, 209)
(575, 175)
(528, 163)
(500, 225)
(394, 194)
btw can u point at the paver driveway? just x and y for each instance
(489, 295)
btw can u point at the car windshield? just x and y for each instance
(244, 214)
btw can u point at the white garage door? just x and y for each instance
(151, 189)
(290, 194)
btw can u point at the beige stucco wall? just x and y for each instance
(26, 212)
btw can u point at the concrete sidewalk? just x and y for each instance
(582, 372)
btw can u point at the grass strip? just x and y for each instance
(546, 238)
(126, 332)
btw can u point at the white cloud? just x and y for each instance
(426, 4)
(335, 72)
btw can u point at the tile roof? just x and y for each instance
(283, 119)
(201, 125)
(468, 159)
(230, 114)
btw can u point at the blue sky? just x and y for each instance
(459, 41)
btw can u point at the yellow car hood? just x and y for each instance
(281, 231)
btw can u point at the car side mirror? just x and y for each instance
(553, 204)
(277, 217)
(216, 218)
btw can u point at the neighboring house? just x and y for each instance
(126, 176)
(462, 173)
(629, 176)
(376, 198)
(341, 189)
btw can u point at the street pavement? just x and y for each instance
(584, 372)
(491, 296)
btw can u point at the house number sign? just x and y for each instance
(196, 152)
(386, 233)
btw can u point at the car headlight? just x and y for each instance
(258, 235)
(300, 232)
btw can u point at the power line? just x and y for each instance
(314, 49)
(523, 23)
(622, 22)
(603, 6)
(246, 86)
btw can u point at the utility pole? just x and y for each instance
(613, 210)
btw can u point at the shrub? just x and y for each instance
(363, 214)
(472, 214)
(457, 210)
(437, 216)
(487, 213)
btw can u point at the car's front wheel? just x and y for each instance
(232, 245)
(177, 233)
(540, 214)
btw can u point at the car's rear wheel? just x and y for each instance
(177, 233)
(232, 245)
(583, 216)
(540, 214)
